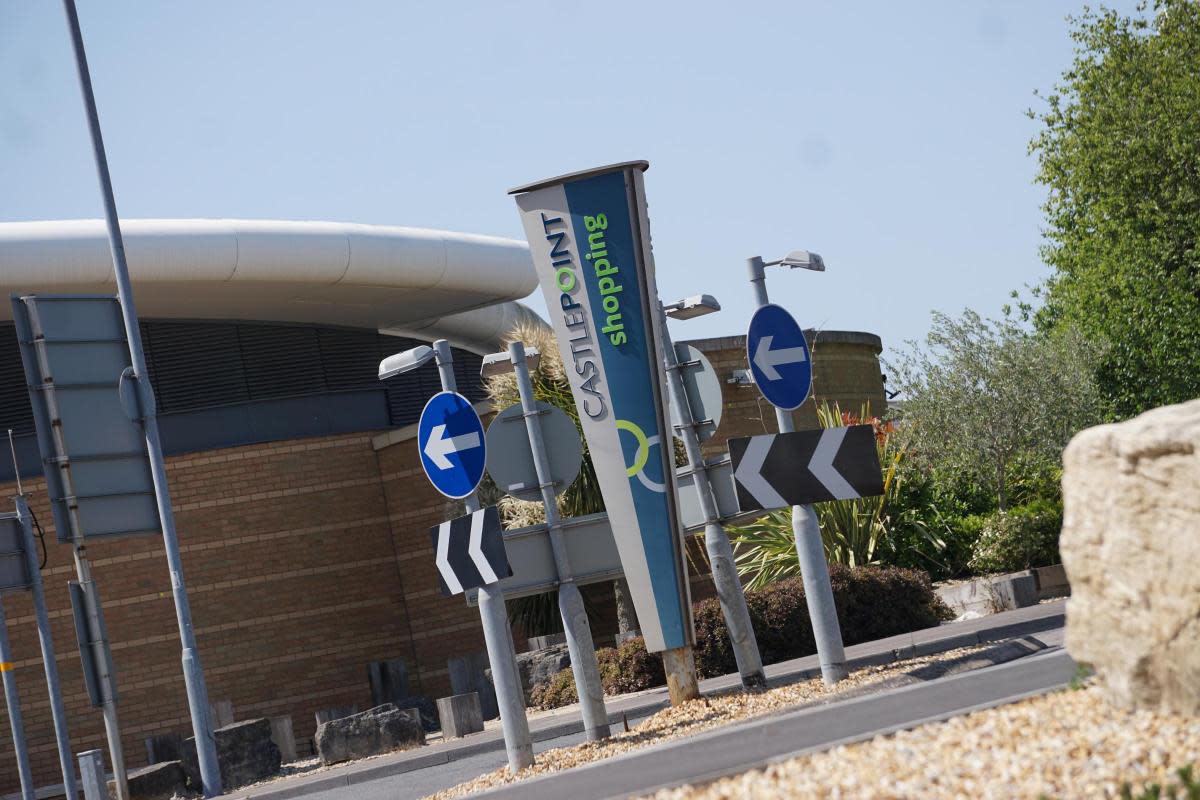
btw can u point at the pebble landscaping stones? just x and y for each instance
(1130, 547)
(713, 711)
(1070, 744)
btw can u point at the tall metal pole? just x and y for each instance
(716, 542)
(14, 710)
(53, 688)
(497, 633)
(193, 674)
(814, 571)
(570, 601)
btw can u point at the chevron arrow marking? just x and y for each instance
(475, 550)
(749, 473)
(443, 559)
(821, 464)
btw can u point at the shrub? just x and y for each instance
(629, 668)
(872, 603)
(1019, 538)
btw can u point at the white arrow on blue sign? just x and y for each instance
(779, 357)
(450, 438)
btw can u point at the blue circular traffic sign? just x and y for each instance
(779, 357)
(451, 442)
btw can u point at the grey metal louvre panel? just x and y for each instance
(466, 371)
(15, 411)
(194, 365)
(349, 358)
(281, 360)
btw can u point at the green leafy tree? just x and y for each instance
(985, 395)
(1119, 152)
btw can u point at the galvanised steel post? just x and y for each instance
(570, 601)
(497, 633)
(53, 688)
(716, 542)
(814, 571)
(91, 772)
(193, 674)
(14, 710)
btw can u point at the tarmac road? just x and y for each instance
(738, 748)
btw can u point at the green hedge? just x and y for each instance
(872, 603)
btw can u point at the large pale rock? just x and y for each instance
(374, 731)
(1131, 547)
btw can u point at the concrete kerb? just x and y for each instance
(952, 636)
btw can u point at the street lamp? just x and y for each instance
(500, 363)
(407, 361)
(800, 259)
(691, 307)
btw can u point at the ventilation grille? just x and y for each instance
(198, 365)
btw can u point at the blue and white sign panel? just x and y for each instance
(779, 357)
(450, 438)
(590, 240)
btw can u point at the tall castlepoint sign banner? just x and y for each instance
(589, 236)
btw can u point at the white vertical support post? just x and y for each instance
(13, 700)
(814, 571)
(497, 633)
(720, 553)
(49, 662)
(570, 602)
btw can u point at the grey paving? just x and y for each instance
(472, 756)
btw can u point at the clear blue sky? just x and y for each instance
(889, 137)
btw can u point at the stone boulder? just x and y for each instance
(377, 730)
(245, 753)
(538, 666)
(162, 781)
(1130, 545)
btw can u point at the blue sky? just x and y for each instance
(889, 137)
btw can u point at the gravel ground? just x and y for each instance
(710, 712)
(1069, 744)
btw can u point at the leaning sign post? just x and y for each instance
(137, 397)
(589, 237)
(453, 453)
(782, 369)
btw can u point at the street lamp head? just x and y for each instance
(500, 363)
(405, 362)
(803, 259)
(691, 307)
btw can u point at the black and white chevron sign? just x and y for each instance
(793, 469)
(470, 551)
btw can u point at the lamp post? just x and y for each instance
(805, 527)
(497, 634)
(716, 542)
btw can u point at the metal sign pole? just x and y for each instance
(814, 571)
(570, 601)
(14, 710)
(497, 634)
(48, 659)
(193, 674)
(716, 542)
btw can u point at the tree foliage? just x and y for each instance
(1119, 152)
(984, 395)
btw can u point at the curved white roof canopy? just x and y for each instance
(414, 281)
